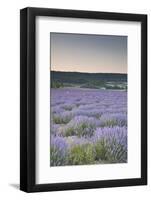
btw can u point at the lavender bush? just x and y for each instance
(58, 151)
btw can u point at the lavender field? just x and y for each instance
(88, 126)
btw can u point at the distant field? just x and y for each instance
(89, 80)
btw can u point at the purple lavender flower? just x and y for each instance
(114, 143)
(58, 151)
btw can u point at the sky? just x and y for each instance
(88, 53)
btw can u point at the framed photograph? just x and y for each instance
(83, 99)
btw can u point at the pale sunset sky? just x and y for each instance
(88, 53)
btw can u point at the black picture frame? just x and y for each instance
(28, 99)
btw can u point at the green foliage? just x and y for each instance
(59, 119)
(67, 107)
(56, 84)
(80, 130)
(110, 123)
(114, 87)
(103, 151)
(85, 129)
(88, 80)
(68, 131)
(81, 154)
(82, 78)
(116, 153)
(94, 84)
(100, 150)
(109, 151)
(57, 158)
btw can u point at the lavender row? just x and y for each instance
(108, 145)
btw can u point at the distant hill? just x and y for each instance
(88, 80)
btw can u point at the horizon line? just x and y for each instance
(90, 72)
